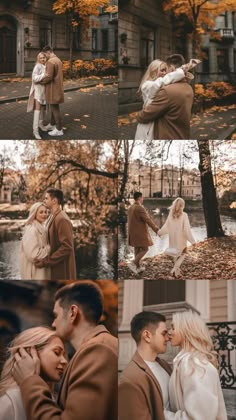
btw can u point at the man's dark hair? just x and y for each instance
(56, 193)
(176, 60)
(86, 295)
(137, 194)
(47, 48)
(144, 320)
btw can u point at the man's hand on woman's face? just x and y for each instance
(25, 365)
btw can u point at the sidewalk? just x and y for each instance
(217, 123)
(16, 89)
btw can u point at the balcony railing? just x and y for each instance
(223, 335)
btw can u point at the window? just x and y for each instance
(205, 61)
(105, 40)
(147, 45)
(45, 32)
(222, 60)
(94, 39)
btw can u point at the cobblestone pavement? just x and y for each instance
(217, 123)
(230, 402)
(88, 113)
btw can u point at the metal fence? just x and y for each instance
(224, 339)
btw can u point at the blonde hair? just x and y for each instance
(33, 211)
(195, 335)
(151, 72)
(41, 53)
(177, 207)
(37, 337)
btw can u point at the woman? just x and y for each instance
(37, 98)
(194, 389)
(178, 228)
(153, 80)
(51, 353)
(34, 244)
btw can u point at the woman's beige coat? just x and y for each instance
(179, 231)
(11, 405)
(195, 394)
(34, 245)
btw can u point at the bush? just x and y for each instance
(96, 67)
(214, 90)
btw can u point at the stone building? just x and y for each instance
(144, 34)
(27, 26)
(168, 181)
(219, 62)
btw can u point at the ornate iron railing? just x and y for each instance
(224, 339)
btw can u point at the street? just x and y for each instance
(89, 113)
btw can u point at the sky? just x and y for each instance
(178, 147)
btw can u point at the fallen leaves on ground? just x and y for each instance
(212, 259)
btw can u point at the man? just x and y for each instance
(89, 386)
(171, 108)
(143, 388)
(138, 234)
(60, 232)
(54, 91)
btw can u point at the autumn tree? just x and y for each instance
(125, 150)
(198, 16)
(78, 13)
(86, 171)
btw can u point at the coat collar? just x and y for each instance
(142, 365)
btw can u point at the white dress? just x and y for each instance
(149, 90)
(179, 231)
(11, 405)
(195, 392)
(37, 90)
(34, 244)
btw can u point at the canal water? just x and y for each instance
(98, 261)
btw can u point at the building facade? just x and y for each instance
(27, 26)
(166, 181)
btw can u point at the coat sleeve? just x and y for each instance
(65, 238)
(154, 110)
(173, 77)
(7, 409)
(187, 230)
(89, 389)
(132, 402)
(200, 394)
(31, 246)
(151, 87)
(37, 75)
(50, 73)
(145, 218)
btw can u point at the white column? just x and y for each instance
(132, 304)
(231, 300)
(197, 295)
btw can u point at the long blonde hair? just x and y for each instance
(177, 207)
(195, 335)
(37, 337)
(40, 53)
(151, 72)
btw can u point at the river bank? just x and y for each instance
(211, 259)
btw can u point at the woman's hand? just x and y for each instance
(25, 365)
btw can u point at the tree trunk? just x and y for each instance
(209, 199)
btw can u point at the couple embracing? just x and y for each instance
(150, 390)
(177, 226)
(167, 98)
(47, 246)
(47, 90)
(37, 360)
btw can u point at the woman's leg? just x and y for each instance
(37, 110)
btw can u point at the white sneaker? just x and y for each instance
(47, 127)
(133, 267)
(56, 132)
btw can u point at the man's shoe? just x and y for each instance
(133, 268)
(56, 132)
(47, 127)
